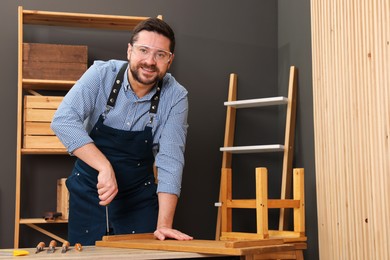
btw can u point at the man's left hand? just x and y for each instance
(165, 232)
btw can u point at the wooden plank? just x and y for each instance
(288, 144)
(39, 115)
(53, 71)
(19, 125)
(38, 128)
(240, 236)
(280, 255)
(285, 234)
(228, 244)
(228, 141)
(230, 122)
(113, 22)
(299, 194)
(251, 243)
(49, 102)
(272, 203)
(62, 198)
(128, 237)
(41, 221)
(196, 246)
(42, 142)
(226, 194)
(54, 61)
(44, 150)
(262, 202)
(47, 233)
(56, 53)
(45, 84)
(280, 204)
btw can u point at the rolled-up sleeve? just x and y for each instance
(68, 121)
(170, 158)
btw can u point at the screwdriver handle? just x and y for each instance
(40, 247)
(65, 246)
(53, 244)
(78, 247)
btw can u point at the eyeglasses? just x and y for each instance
(144, 52)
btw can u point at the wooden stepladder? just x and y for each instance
(261, 203)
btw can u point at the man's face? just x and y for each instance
(148, 69)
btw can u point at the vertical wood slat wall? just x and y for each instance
(351, 91)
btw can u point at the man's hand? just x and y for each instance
(107, 186)
(163, 233)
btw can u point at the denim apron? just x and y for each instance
(135, 208)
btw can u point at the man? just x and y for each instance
(118, 120)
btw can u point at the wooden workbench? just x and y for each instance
(145, 246)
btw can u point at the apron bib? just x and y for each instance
(135, 208)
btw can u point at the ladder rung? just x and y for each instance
(254, 148)
(258, 102)
(271, 204)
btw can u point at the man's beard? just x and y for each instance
(136, 74)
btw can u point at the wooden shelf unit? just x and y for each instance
(30, 85)
(226, 202)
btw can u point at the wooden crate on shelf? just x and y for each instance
(38, 114)
(62, 198)
(54, 61)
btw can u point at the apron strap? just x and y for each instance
(116, 86)
(156, 99)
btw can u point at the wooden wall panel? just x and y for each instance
(351, 82)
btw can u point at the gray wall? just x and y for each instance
(258, 40)
(294, 47)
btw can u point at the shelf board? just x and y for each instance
(112, 22)
(258, 102)
(41, 221)
(46, 84)
(254, 148)
(44, 151)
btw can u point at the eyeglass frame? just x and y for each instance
(154, 54)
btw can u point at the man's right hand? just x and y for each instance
(107, 186)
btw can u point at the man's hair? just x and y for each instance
(154, 25)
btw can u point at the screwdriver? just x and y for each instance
(40, 247)
(52, 246)
(107, 224)
(65, 246)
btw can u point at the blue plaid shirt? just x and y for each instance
(87, 99)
